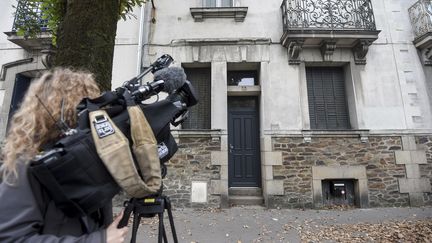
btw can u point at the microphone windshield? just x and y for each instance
(174, 78)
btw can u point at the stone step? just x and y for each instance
(246, 200)
(245, 191)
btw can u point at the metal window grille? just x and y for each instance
(200, 114)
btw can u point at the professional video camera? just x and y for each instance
(172, 110)
(71, 170)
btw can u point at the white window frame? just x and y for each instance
(218, 4)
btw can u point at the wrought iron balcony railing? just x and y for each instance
(29, 14)
(328, 14)
(30, 29)
(421, 17)
(328, 24)
(421, 20)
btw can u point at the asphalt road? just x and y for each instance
(257, 224)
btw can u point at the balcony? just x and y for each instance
(32, 16)
(421, 19)
(327, 25)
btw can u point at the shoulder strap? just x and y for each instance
(145, 148)
(113, 149)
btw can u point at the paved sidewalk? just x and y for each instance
(256, 224)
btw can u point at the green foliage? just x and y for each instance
(34, 16)
(126, 6)
(27, 20)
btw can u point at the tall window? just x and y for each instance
(199, 115)
(327, 99)
(217, 3)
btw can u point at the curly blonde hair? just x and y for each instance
(33, 124)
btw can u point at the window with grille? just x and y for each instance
(327, 98)
(200, 114)
(217, 3)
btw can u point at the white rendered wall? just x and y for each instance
(390, 90)
(126, 49)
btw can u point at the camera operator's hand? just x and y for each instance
(115, 235)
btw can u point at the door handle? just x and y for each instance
(230, 148)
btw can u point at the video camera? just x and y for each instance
(173, 110)
(71, 170)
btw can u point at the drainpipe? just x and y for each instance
(143, 38)
(140, 40)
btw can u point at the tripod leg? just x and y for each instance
(136, 221)
(171, 219)
(161, 229)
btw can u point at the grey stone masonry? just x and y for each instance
(425, 143)
(377, 156)
(191, 163)
(412, 157)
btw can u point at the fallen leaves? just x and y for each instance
(394, 231)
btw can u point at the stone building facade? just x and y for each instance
(297, 109)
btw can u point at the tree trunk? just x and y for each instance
(86, 38)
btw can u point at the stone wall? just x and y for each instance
(377, 156)
(191, 163)
(425, 143)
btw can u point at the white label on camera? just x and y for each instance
(162, 150)
(104, 128)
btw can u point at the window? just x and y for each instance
(226, 9)
(200, 114)
(217, 3)
(242, 78)
(327, 99)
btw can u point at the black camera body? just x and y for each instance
(72, 172)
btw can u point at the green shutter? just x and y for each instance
(327, 99)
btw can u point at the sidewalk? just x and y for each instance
(256, 224)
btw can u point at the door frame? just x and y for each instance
(254, 111)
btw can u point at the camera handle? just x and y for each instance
(162, 62)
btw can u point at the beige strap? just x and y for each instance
(145, 148)
(113, 149)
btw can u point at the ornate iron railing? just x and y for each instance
(29, 14)
(421, 17)
(328, 15)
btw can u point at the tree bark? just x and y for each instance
(86, 38)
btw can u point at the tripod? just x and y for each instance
(148, 207)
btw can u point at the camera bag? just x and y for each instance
(115, 152)
(84, 171)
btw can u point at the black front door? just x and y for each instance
(244, 165)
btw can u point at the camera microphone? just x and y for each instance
(173, 77)
(167, 80)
